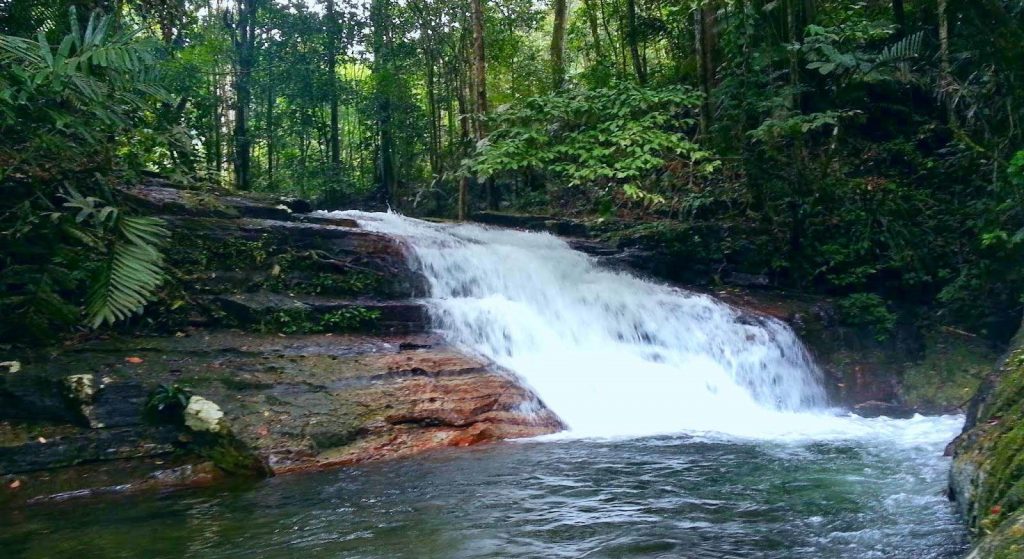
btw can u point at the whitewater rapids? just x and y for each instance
(617, 356)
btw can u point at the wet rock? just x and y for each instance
(161, 197)
(557, 226)
(297, 205)
(112, 478)
(748, 280)
(295, 389)
(70, 448)
(118, 402)
(883, 409)
(311, 314)
(986, 478)
(302, 401)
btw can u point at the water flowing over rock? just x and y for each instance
(609, 353)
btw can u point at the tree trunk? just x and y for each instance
(332, 67)
(561, 8)
(270, 129)
(244, 39)
(380, 18)
(945, 64)
(705, 45)
(795, 36)
(480, 83)
(595, 34)
(899, 17)
(633, 40)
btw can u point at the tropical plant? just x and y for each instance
(70, 112)
(620, 137)
(131, 265)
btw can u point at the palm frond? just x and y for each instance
(132, 273)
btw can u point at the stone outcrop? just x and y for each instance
(987, 477)
(297, 343)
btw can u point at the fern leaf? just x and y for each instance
(132, 273)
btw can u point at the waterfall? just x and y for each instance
(611, 354)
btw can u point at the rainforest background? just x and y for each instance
(868, 150)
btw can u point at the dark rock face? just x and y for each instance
(987, 477)
(883, 409)
(301, 341)
(72, 447)
(554, 225)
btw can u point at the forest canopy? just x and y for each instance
(871, 150)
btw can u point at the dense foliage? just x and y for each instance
(597, 142)
(870, 149)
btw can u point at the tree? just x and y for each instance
(332, 69)
(561, 22)
(704, 27)
(243, 37)
(382, 65)
(633, 40)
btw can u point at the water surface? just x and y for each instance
(659, 497)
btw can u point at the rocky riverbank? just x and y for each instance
(987, 478)
(285, 343)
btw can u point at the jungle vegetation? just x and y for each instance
(871, 150)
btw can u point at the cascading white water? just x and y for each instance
(611, 354)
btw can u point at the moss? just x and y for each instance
(949, 374)
(210, 203)
(349, 319)
(995, 447)
(342, 284)
(193, 253)
(1006, 542)
(229, 454)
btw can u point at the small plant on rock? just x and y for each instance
(167, 404)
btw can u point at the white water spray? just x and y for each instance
(611, 354)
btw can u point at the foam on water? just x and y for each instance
(617, 356)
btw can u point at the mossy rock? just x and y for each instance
(987, 477)
(949, 374)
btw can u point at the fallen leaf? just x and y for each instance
(263, 431)
(41, 440)
(15, 484)
(133, 360)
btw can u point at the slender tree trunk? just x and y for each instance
(561, 8)
(795, 36)
(380, 18)
(705, 45)
(633, 41)
(270, 128)
(243, 38)
(945, 63)
(595, 34)
(332, 68)
(899, 17)
(480, 83)
(435, 140)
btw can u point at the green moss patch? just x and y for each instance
(950, 373)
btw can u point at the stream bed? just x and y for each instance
(665, 496)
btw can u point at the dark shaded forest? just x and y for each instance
(869, 150)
